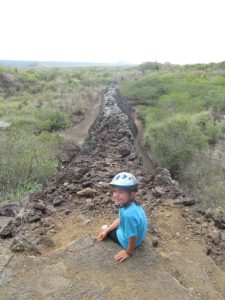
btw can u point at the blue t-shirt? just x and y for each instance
(133, 222)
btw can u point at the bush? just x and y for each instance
(18, 194)
(203, 178)
(215, 99)
(23, 121)
(52, 119)
(9, 107)
(144, 90)
(26, 159)
(210, 129)
(150, 66)
(174, 141)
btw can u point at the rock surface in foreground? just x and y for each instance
(86, 269)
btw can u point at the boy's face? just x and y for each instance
(122, 196)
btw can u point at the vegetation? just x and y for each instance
(183, 112)
(26, 158)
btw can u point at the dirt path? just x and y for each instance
(75, 266)
(147, 160)
(79, 132)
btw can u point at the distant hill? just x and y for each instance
(36, 64)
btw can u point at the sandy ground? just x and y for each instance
(79, 132)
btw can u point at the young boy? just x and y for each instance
(130, 228)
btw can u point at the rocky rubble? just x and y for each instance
(82, 185)
(210, 224)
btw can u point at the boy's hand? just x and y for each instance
(121, 255)
(102, 236)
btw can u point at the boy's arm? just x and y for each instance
(103, 233)
(124, 254)
(131, 245)
(115, 224)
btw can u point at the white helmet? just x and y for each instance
(125, 180)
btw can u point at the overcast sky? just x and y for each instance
(135, 31)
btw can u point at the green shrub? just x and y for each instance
(174, 141)
(52, 119)
(144, 90)
(150, 66)
(24, 121)
(210, 129)
(180, 102)
(26, 159)
(203, 178)
(171, 104)
(9, 107)
(18, 194)
(215, 99)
